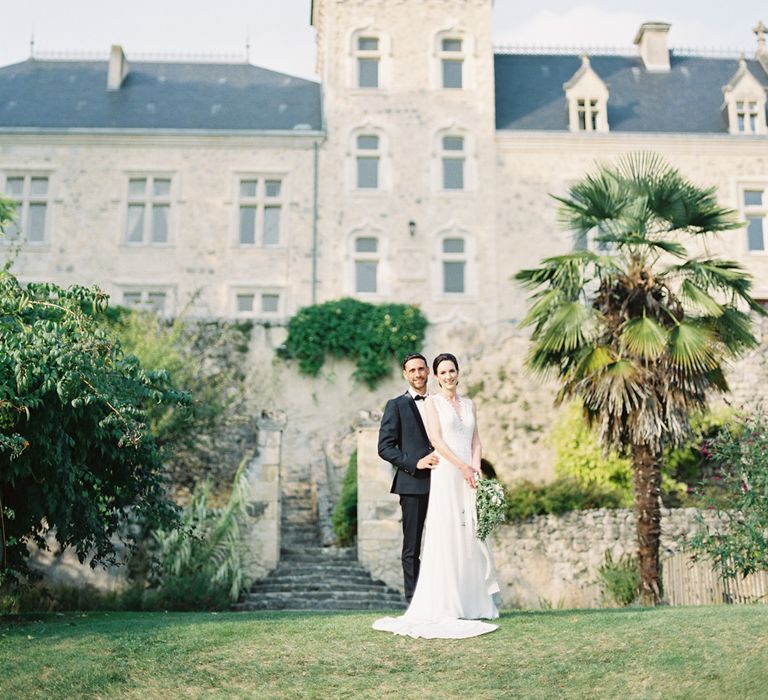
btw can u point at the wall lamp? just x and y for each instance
(412, 227)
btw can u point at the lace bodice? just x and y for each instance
(457, 427)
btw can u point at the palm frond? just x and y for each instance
(690, 347)
(733, 328)
(644, 337)
(674, 248)
(567, 328)
(698, 298)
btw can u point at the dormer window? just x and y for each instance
(588, 113)
(587, 99)
(744, 103)
(746, 117)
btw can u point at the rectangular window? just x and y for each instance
(453, 245)
(365, 276)
(244, 303)
(30, 195)
(247, 225)
(367, 172)
(755, 240)
(270, 303)
(453, 277)
(366, 245)
(368, 43)
(260, 212)
(755, 211)
(452, 73)
(453, 173)
(271, 226)
(451, 45)
(368, 72)
(149, 300)
(149, 211)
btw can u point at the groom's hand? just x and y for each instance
(428, 462)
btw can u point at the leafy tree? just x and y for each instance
(203, 441)
(740, 545)
(75, 452)
(637, 329)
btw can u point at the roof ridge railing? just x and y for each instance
(615, 51)
(139, 56)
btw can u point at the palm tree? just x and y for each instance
(637, 329)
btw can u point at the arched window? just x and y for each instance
(454, 166)
(453, 160)
(367, 61)
(368, 173)
(452, 66)
(451, 54)
(366, 264)
(454, 265)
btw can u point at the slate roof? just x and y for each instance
(197, 96)
(687, 99)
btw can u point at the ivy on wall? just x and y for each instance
(372, 335)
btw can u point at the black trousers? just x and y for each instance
(414, 507)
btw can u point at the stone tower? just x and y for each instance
(407, 170)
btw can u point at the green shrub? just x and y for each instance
(579, 455)
(372, 335)
(344, 517)
(739, 545)
(620, 579)
(526, 499)
(202, 563)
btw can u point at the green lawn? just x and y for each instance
(713, 652)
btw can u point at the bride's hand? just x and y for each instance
(469, 474)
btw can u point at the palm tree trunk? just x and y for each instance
(647, 482)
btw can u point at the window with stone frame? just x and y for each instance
(747, 114)
(257, 303)
(367, 162)
(451, 56)
(453, 161)
(148, 210)
(260, 207)
(147, 299)
(588, 113)
(754, 200)
(368, 61)
(366, 265)
(454, 265)
(30, 193)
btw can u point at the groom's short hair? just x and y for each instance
(415, 356)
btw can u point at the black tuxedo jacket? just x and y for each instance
(403, 442)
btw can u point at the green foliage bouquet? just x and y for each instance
(491, 506)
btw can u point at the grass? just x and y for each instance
(708, 652)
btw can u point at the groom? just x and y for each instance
(403, 442)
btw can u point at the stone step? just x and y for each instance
(310, 581)
(324, 553)
(278, 585)
(320, 605)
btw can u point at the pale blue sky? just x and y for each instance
(281, 38)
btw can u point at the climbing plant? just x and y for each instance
(372, 335)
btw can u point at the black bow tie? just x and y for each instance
(419, 397)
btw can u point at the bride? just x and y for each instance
(457, 579)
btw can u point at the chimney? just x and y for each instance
(761, 54)
(652, 41)
(118, 67)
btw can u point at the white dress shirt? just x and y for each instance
(420, 405)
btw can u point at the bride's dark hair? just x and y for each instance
(444, 356)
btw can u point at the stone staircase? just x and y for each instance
(312, 577)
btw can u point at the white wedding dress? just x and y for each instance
(457, 578)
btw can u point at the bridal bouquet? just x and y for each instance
(490, 506)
